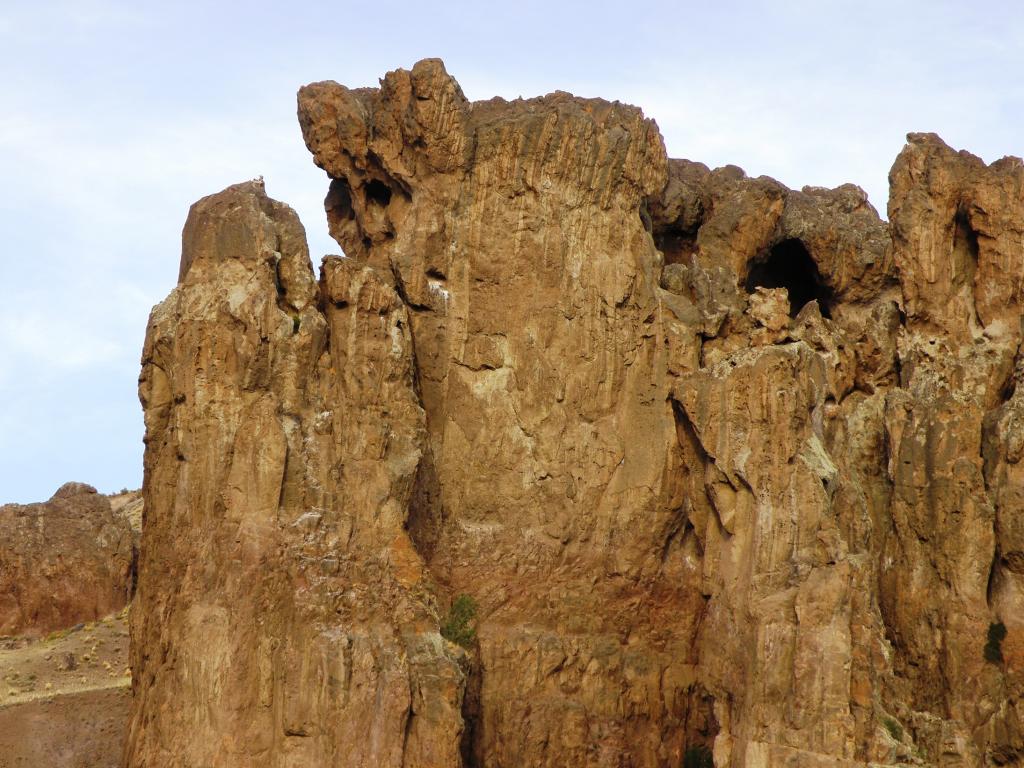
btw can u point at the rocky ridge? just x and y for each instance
(727, 470)
(64, 561)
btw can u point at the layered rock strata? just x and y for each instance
(728, 470)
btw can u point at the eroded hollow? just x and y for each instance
(378, 192)
(789, 265)
(677, 244)
(965, 240)
(339, 201)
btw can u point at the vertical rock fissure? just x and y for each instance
(966, 256)
(471, 747)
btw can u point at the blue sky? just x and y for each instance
(117, 115)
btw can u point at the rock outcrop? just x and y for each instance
(67, 569)
(724, 469)
(283, 436)
(62, 562)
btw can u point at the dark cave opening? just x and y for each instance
(378, 192)
(965, 239)
(339, 201)
(676, 244)
(789, 265)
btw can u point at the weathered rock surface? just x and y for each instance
(64, 561)
(723, 465)
(128, 504)
(283, 435)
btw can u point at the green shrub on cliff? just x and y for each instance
(895, 729)
(460, 624)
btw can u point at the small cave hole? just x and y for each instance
(278, 281)
(789, 265)
(1008, 390)
(677, 244)
(436, 274)
(378, 192)
(965, 239)
(701, 730)
(339, 201)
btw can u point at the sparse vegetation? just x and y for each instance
(895, 729)
(994, 646)
(460, 625)
(698, 757)
(57, 635)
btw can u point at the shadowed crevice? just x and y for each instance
(789, 265)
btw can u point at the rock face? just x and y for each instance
(64, 561)
(725, 469)
(285, 617)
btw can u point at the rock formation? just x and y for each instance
(64, 561)
(66, 575)
(724, 469)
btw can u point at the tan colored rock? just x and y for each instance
(62, 562)
(128, 504)
(283, 435)
(726, 469)
(769, 308)
(954, 224)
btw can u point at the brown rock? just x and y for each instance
(62, 562)
(128, 504)
(283, 435)
(724, 468)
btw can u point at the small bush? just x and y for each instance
(698, 757)
(460, 625)
(895, 729)
(994, 646)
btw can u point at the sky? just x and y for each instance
(116, 115)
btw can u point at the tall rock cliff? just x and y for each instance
(698, 467)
